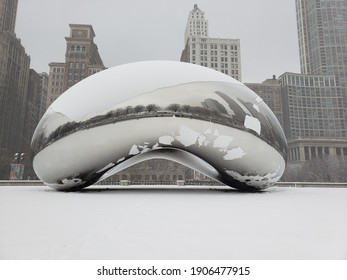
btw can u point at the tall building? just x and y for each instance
(315, 107)
(14, 78)
(56, 81)
(220, 54)
(8, 11)
(322, 33)
(197, 25)
(20, 96)
(44, 91)
(315, 101)
(270, 92)
(82, 59)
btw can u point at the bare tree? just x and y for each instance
(174, 107)
(322, 169)
(186, 108)
(128, 110)
(139, 108)
(152, 108)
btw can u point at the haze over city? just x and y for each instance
(154, 30)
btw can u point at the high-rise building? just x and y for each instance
(315, 107)
(322, 33)
(82, 59)
(315, 101)
(14, 78)
(197, 25)
(220, 54)
(32, 106)
(44, 91)
(8, 12)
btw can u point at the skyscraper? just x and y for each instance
(82, 59)
(197, 25)
(220, 54)
(8, 11)
(14, 78)
(315, 101)
(322, 33)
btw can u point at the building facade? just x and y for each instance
(14, 78)
(82, 59)
(301, 150)
(270, 92)
(44, 91)
(8, 12)
(322, 34)
(314, 107)
(315, 101)
(220, 54)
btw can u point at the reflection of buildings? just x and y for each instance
(154, 170)
(270, 92)
(315, 102)
(82, 59)
(220, 54)
(214, 105)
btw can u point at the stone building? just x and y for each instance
(270, 92)
(14, 78)
(44, 91)
(82, 59)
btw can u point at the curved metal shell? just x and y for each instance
(159, 109)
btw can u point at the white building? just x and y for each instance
(220, 54)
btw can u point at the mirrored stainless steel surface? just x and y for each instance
(183, 112)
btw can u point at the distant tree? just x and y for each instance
(139, 108)
(186, 108)
(294, 173)
(323, 169)
(152, 108)
(119, 112)
(174, 107)
(326, 169)
(128, 110)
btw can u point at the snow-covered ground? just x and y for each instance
(164, 223)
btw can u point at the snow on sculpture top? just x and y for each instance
(118, 84)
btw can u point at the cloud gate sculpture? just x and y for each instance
(183, 112)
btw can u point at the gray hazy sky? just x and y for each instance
(137, 30)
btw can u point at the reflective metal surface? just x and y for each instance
(159, 109)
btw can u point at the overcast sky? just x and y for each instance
(137, 30)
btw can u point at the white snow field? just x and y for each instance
(181, 223)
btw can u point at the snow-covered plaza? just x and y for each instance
(104, 222)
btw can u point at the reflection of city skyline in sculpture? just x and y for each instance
(182, 112)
